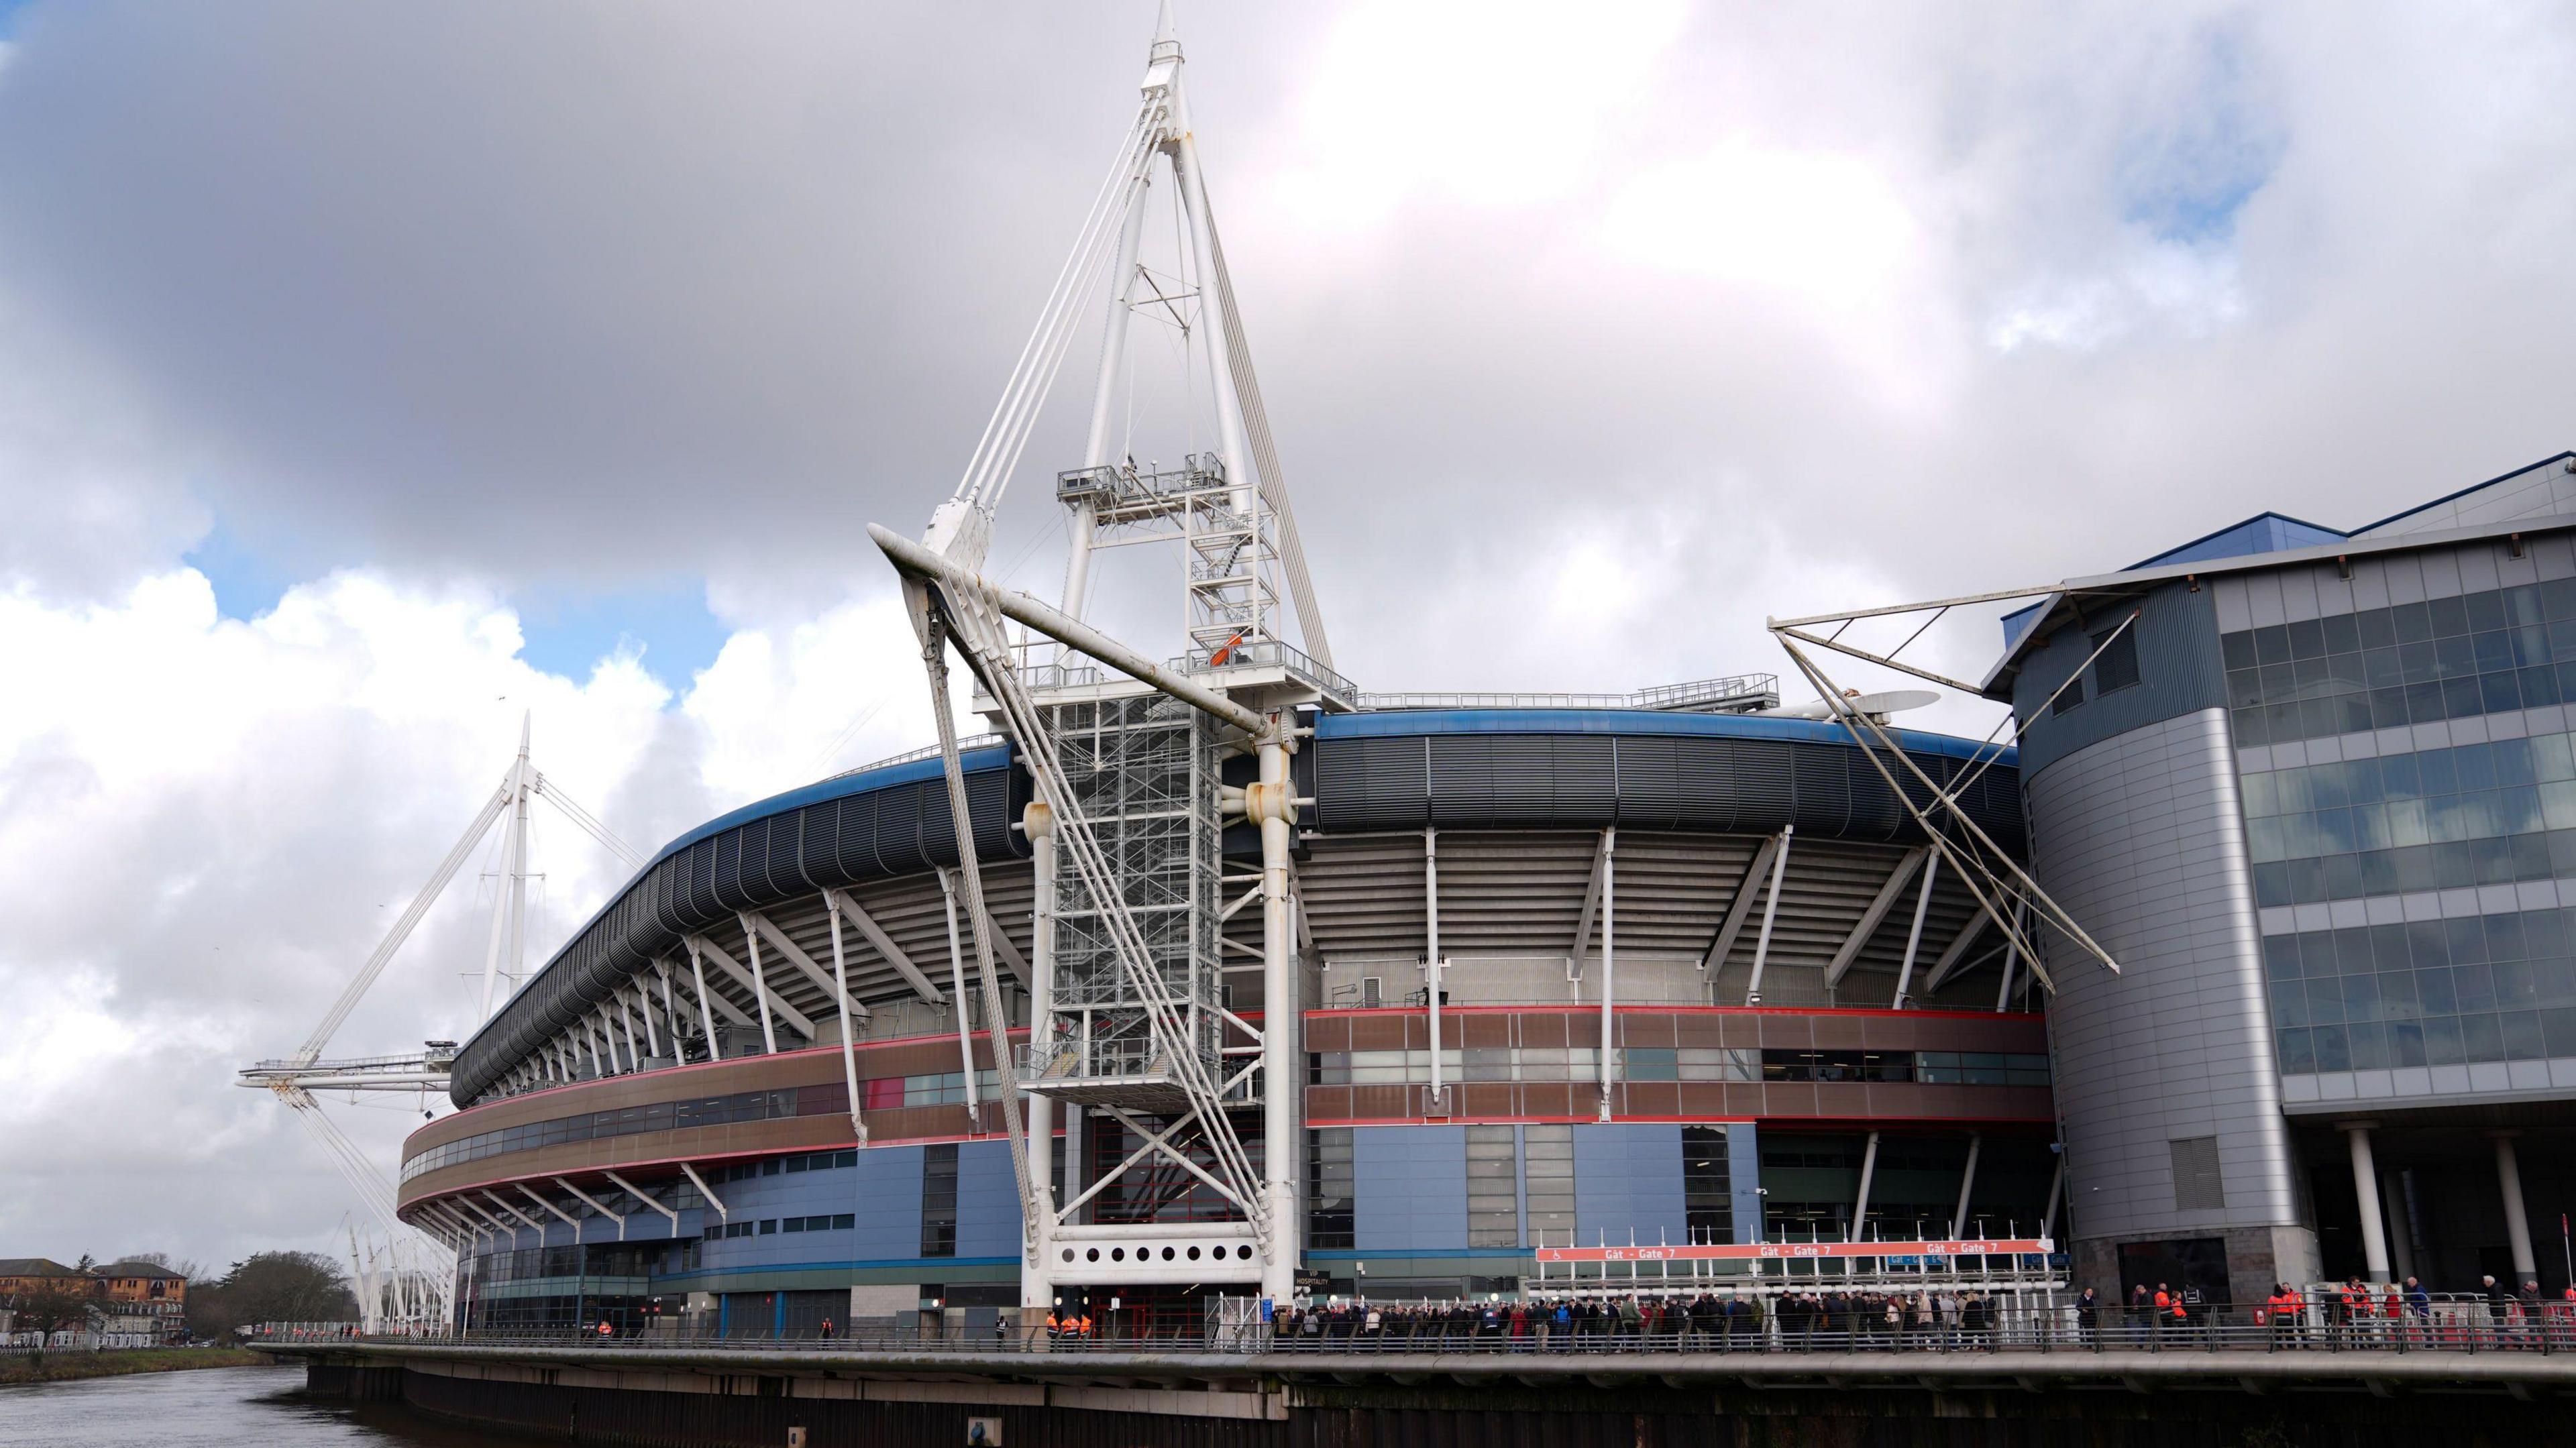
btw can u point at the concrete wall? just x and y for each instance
(2141, 837)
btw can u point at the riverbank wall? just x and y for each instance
(680, 1398)
(63, 1365)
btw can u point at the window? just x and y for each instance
(1707, 1193)
(769, 1226)
(2069, 697)
(2116, 667)
(939, 1200)
(1493, 1188)
(1548, 1153)
(1328, 1191)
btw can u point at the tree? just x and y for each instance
(60, 1305)
(272, 1287)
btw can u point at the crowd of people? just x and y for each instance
(1702, 1321)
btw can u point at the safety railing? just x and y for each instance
(2053, 1330)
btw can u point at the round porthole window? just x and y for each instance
(1068, 1254)
(1117, 1254)
(1091, 1254)
(1194, 1254)
(1167, 1254)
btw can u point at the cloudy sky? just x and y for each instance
(372, 374)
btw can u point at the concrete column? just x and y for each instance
(1868, 1169)
(2517, 1221)
(1282, 1075)
(2365, 1185)
(1037, 1279)
(1967, 1185)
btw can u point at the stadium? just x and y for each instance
(1686, 861)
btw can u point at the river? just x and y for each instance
(212, 1408)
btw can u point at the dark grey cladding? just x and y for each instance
(2179, 672)
(1535, 769)
(864, 826)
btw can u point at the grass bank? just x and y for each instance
(65, 1364)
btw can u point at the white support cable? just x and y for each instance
(383, 954)
(588, 823)
(965, 1022)
(934, 648)
(1969, 866)
(989, 469)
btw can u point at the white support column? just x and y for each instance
(514, 787)
(2365, 1185)
(644, 1004)
(1770, 909)
(1431, 954)
(706, 1016)
(1870, 918)
(1281, 1080)
(849, 1047)
(1609, 959)
(597, 1206)
(960, 1003)
(1037, 1284)
(510, 900)
(760, 991)
(1967, 1184)
(706, 1191)
(2012, 957)
(1213, 346)
(641, 1196)
(1868, 1169)
(1113, 362)
(2517, 1221)
(1739, 909)
(1914, 933)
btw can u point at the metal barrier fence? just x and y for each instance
(2464, 1328)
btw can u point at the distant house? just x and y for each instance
(134, 1297)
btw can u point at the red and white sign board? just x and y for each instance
(1804, 1251)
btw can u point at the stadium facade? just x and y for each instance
(631, 1151)
(2318, 798)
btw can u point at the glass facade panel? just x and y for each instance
(2450, 658)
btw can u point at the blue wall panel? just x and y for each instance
(1409, 1188)
(888, 1204)
(1628, 1184)
(988, 1201)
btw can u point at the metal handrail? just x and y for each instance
(929, 751)
(2053, 1330)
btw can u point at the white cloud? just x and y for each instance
(206, 823)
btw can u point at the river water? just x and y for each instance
(212, 1408)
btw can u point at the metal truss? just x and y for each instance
(2009, 897)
